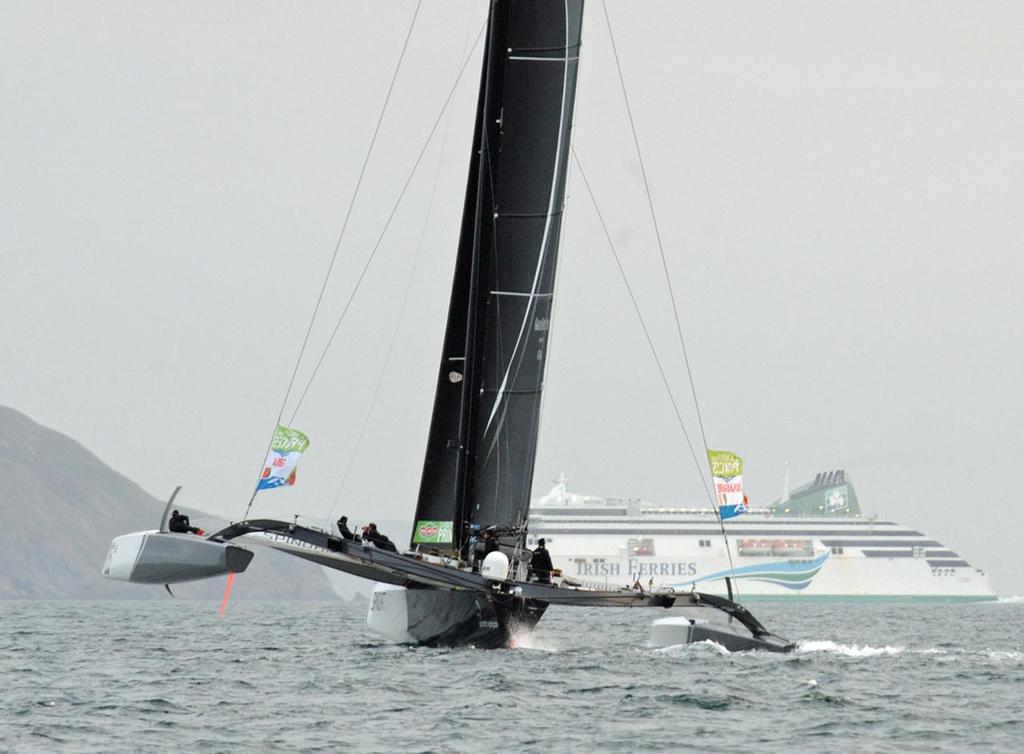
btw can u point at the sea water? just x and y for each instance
(173, 675)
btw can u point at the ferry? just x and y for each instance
(813, 543)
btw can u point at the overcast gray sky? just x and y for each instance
(838, 186)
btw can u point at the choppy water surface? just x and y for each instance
(162, 676)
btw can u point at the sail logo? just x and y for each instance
(431, 532)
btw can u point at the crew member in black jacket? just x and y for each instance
(370, 533)
(540, 563)
(343, 529)
(490, 543)
(179, 523)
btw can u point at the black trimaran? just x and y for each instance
(480, 454)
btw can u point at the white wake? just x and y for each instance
(847, 650)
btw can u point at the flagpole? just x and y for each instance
(259, 476)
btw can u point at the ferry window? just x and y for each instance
(748, 547)
(641, 547)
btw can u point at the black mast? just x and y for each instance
(483, 433)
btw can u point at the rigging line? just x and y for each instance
(657, 230)
(387, 357)
(654, 353)
(337, 247)
(640, 316)
(668, 278)
(405, 300)
(387, 224)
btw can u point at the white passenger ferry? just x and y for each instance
(812, 543)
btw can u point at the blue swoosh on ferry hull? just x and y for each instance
(799, 573)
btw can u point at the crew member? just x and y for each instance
(540, 563)
(472, 557)
(179, 523)
(371, 533)
(343, 529)
(490, 543)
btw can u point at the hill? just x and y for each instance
(60, 507)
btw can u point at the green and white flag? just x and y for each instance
(727, 472)
(285, 451)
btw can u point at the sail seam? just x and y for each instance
(546, 59)
(526, 215)
(563, 49)
(547, 227)
(514, 391)
(524, 295)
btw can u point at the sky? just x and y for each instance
(836, 184)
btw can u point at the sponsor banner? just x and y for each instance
(285, 451)
(428, 532)
(727, 472)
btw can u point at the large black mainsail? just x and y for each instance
(483, 433)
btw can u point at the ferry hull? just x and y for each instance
(824, 576)
(814, 543)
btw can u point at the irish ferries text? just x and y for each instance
(636, 568)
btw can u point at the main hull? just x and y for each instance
(446, 618)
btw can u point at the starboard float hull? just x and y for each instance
(731, 635)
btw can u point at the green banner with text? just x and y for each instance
(429, 532)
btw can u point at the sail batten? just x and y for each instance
(483, 437)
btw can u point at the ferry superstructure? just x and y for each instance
(812, 543)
